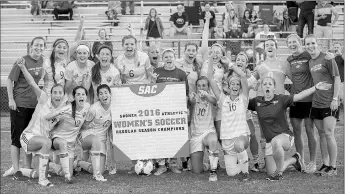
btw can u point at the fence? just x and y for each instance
(10, 51)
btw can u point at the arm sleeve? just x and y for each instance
(287, 100)
(332, 67)
(186, 17)
(251, 104)
(14, 74)
(172, 18)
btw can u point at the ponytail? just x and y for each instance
(74, 108)
(52, 62)
(95, 73)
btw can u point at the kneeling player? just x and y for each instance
(94, 133)
(203, 131)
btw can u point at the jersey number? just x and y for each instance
(202, 112)
(62, 75)
(232, 107)
(131, 74)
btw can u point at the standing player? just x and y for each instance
(94, 133)
(78, 72)
(271, 110)
(202, 129)
(35, 138)
(325, 104)
(22, 101)
(70, 119)
(104, 72)
(232, 100)
(134, 65)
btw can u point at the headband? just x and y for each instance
(60, 41)
(169, 49)
(219, 45)
(83, 47)
(243, 54)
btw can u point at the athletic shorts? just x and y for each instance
(24, 142)
(321, 113)
(197, 143)
(20, 119)
(228, 145)
(80, 141)
(70, 148)
(300, 110)
(269, 149)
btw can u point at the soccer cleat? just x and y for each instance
(8, 172)
(275, 177)
(112, 170)
(321, 169)
(161, 170)
(99, 177)
(45, 182)
(68, 180)
(244, 176)
(329, 171)
(298, 164)
(213, 176)
(255, 168)
(310, 168)
(131, 171)
(18, 176)
(174, 169)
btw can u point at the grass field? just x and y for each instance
(187, 182)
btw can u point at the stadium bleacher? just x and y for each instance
(17, 28)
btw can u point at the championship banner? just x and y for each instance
(149, 121)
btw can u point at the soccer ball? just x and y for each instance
(144, 167)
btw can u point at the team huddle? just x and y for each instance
(73, 107)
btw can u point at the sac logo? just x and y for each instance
(147, 90)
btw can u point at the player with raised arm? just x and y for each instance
(94, 133)
(202, 129)
(271, 111)
(70, 119)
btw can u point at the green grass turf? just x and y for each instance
(187, 182)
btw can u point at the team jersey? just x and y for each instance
(68, 128)
(74, 72)
(100, 120)
(300, 74)
(218, 72)
(39, 126)
(48, 75)
(277, 72)
(134, 70)
(234, 121)
(191, 72)
(111, 78)
(202, 119)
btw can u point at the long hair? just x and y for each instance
(225, 66)
(55, 86)
(95, 70)
(149, 16)
(196, 64)
(52, 55)
(73, 103)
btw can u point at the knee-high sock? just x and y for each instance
(42, 166)
(213, 156)
(96, 161)
(56, 168)
(231, 166)
(161, 162)
(28, 172)
(243, 161)
(64, 160)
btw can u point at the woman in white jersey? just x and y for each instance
(242, 63)
(78, 72)
(219, 68)
(70, 119)
(94, 133)
(134, 65)
(35, 138)
(104, 72)
(234, 131)
(54, 67)
(202, 129)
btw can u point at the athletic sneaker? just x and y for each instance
(99, 177)
(310, 168)
(298, 164)
(174, 169)
(68, 180)
(275, 177)
(45, 182)
(18, 176)
(213, 176)
(112, 170)
(321, 169)
(161, 170)
(8, 172)
(329, 171)
(255, 167)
